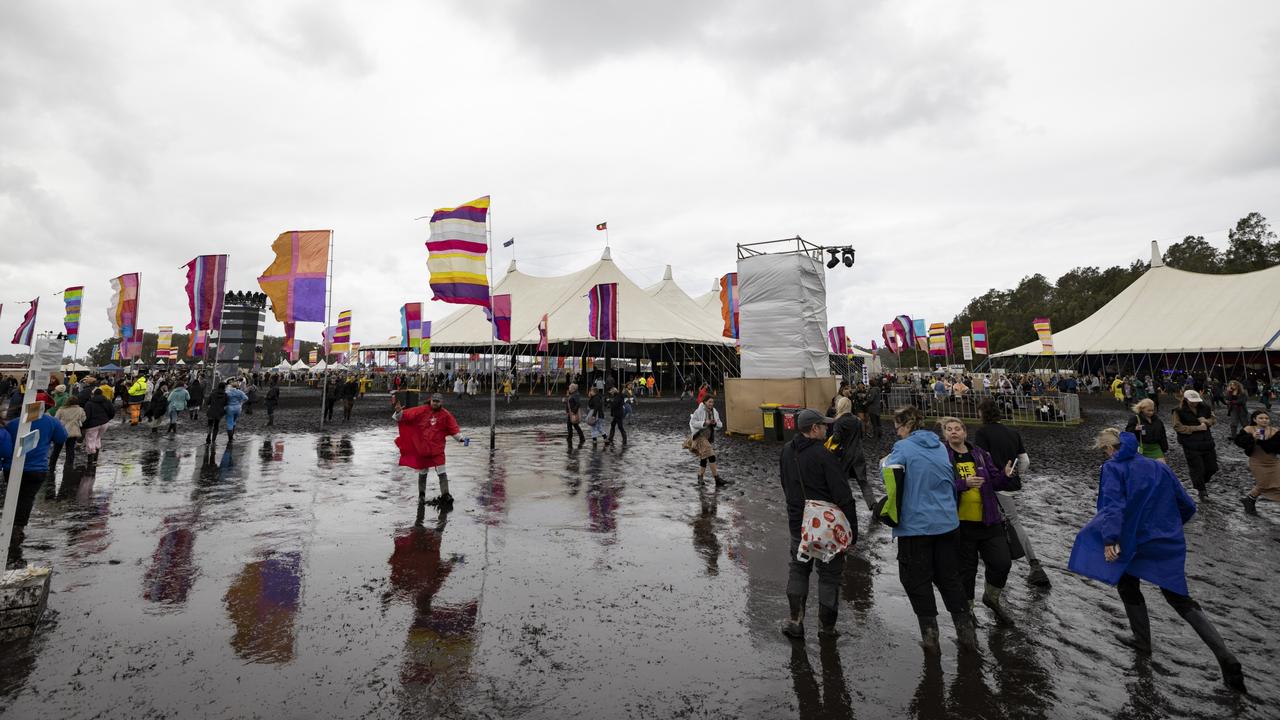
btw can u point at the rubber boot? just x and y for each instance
(929, 633)
(793, 627)
(1037, 575)
(1140, 623)
(422, 487)
(1250, 504)
(966, 636)
(827, 622)
(1232, 674)
(991, 598)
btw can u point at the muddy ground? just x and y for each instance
(293, 576)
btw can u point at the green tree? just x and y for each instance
(1251, 245)
(1193, 254)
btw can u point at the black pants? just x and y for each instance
(1131, 594)
(1202, 464)
(617, 423)
(328, 407)
(347, 404)
(214, 421)
(575, 426)
(69, 449)
(989, 543)
(928, 561)
(829, 575)
(875, 424)
(28, 488)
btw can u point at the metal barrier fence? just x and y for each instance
(1023, 408)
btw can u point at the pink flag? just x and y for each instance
(542, 334)
(27, 328)
(501, 317)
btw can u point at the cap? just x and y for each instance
(807, 418)
(1192, 396)
(437, 396)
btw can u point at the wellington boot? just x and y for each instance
(966, 636)
(991, 598)
(1250, 504)
(1232, 674)
(793, 627)
(1037, 575)
(929, 633)
(1140, 623)
(827, 622)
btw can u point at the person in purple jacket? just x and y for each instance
(981, 525)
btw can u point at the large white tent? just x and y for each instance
(1175, 311)
(642, 318)
(671, 295)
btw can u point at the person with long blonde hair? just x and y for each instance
(1153, 441)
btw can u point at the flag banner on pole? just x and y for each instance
(1045, 332)
(27, 328)
(131, 347)
(164, 343)
(291, 344)
(115, 352)
(979, 330)
(354, 354)
(411, 325)
(937, 339)
(425, 347)
(312, 358)
(501, 317)
(729, 304)
(72, 297)
(456, 254)
(920, 334)
(951, 348)
(341, 337)
(894, 337)
(326, 339)
(206, 284)
(966, 344)
(296, 280)
(602, 226)
(839, 341)
(874, 348)
(123, 312)
(602, 317)
(509, 243)
(908, 330)
(197, 343)
(542, 334)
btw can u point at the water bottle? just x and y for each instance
(466, 442)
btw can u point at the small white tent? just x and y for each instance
(299, 365)
(319, 367)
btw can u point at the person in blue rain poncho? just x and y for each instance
(1137, 535)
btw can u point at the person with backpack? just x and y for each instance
(846, 443)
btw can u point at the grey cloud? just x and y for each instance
(42, 217)
(313, 36)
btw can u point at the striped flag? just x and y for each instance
(206, 285)
(425, 344)
(542, 334)
(72, 297)
(908, 330)
(602, 316)
(920, 334)
(501, 317)
(839, 341)
(197, 343)
(164, 343)
(937, 339)
(895, 340)
(411, 325)
(456, 253)
(1045, 331)
(978, 329)
(311, 359)
(27, 328)
(123, 312)
(729, 304)
(296, 280)
(341, 337)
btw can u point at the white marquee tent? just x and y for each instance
(1174, 311)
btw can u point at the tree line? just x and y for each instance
(1251, 245)
(272, 350)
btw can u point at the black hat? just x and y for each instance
(807, 418)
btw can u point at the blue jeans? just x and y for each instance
(232, 413)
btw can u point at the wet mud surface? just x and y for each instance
(294, 576)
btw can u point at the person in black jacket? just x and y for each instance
(810, 472)
(273, 399)
(1192, 419)
(97, 415)
(217, 407)
(157, 407)
(1145, 425)
(196, 390)
(618, 413)
(350, 389)
(846, 437)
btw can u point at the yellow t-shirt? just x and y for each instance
(970, 507)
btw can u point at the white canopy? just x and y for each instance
(299, 365)
(75, 367)
(337, 366)
(319, 367)
(181, 362)
(1175, 311)
(641, 317)
(283, 366)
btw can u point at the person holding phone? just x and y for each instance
(1261, 442)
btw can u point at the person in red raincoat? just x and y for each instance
(423, 430)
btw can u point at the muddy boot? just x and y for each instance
(966, 636)
(793, 627)
(1232, 674)
(929, 633)
(991, 598)
(827, 622)
(1250, 504)
(1140, 623)
(422, 487)
(445, 499)
(1037, 575)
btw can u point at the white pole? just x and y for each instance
(328, 311)
(493, 334)
(44, 351)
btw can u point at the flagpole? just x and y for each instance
(493, 333)
(328, 310)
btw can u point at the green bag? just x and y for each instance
(888, 510)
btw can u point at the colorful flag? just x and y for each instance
(115, 352)
(27, 328)
(919, 334)
(411, 325)
(874, 349)
(908, 330)
(206, 285)
(311, 359)
(72, 297)
(602, 317)
(291, 346)
(937, 339)
(966, 344)
(131, 347)
(602, 226)
(1046, 335)
(164, 343)
(456, 254)
(979, 330)
(341, 337)
(425, 347)
(895, 337)
(542, 334)
(296, 280)
(123, 312)
(729, 304)
(501, 317)
(839, 341)
(197, 343)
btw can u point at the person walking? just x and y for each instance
(216, 410)
(573, 414)
(1237, 401)
(1153, 440)
(1004, 444)
(236, 399)
(1261, 442)
(928, 528)
(195, 399)
(977, 479)
(35, 471)
(702, 428)
(98, 413)
(330, 397)
(350, 389)
(595, 414)
(157, 407)
(875, 404)
(617, 415)
(1191, 422)
(178, 399)
(846, 444)
(809, 472)
(72, 417)
(423, 430)
(137, 395)
(1137, 535)
(272, 400)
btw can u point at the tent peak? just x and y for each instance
(607, 255)
(666, 274)
(512, 267)
(1157, 260)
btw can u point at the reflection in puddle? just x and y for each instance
(262, 603)
(169, 579)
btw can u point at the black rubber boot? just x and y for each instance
(1250, 504)
(1232, 674)
(991, 598)
(1140, 623)
(422, 487)
(1037, 575)
(827, 622)
(966, 636)
(793, 627)
(929, 633)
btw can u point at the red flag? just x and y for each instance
(501, 315)
(542, 334)
(27, 328)
(602, 226)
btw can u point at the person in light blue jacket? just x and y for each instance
(927, 530)
(235, 401)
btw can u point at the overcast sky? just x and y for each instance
(957, 149)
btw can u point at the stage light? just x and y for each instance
(847, 257)
(835, 258)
